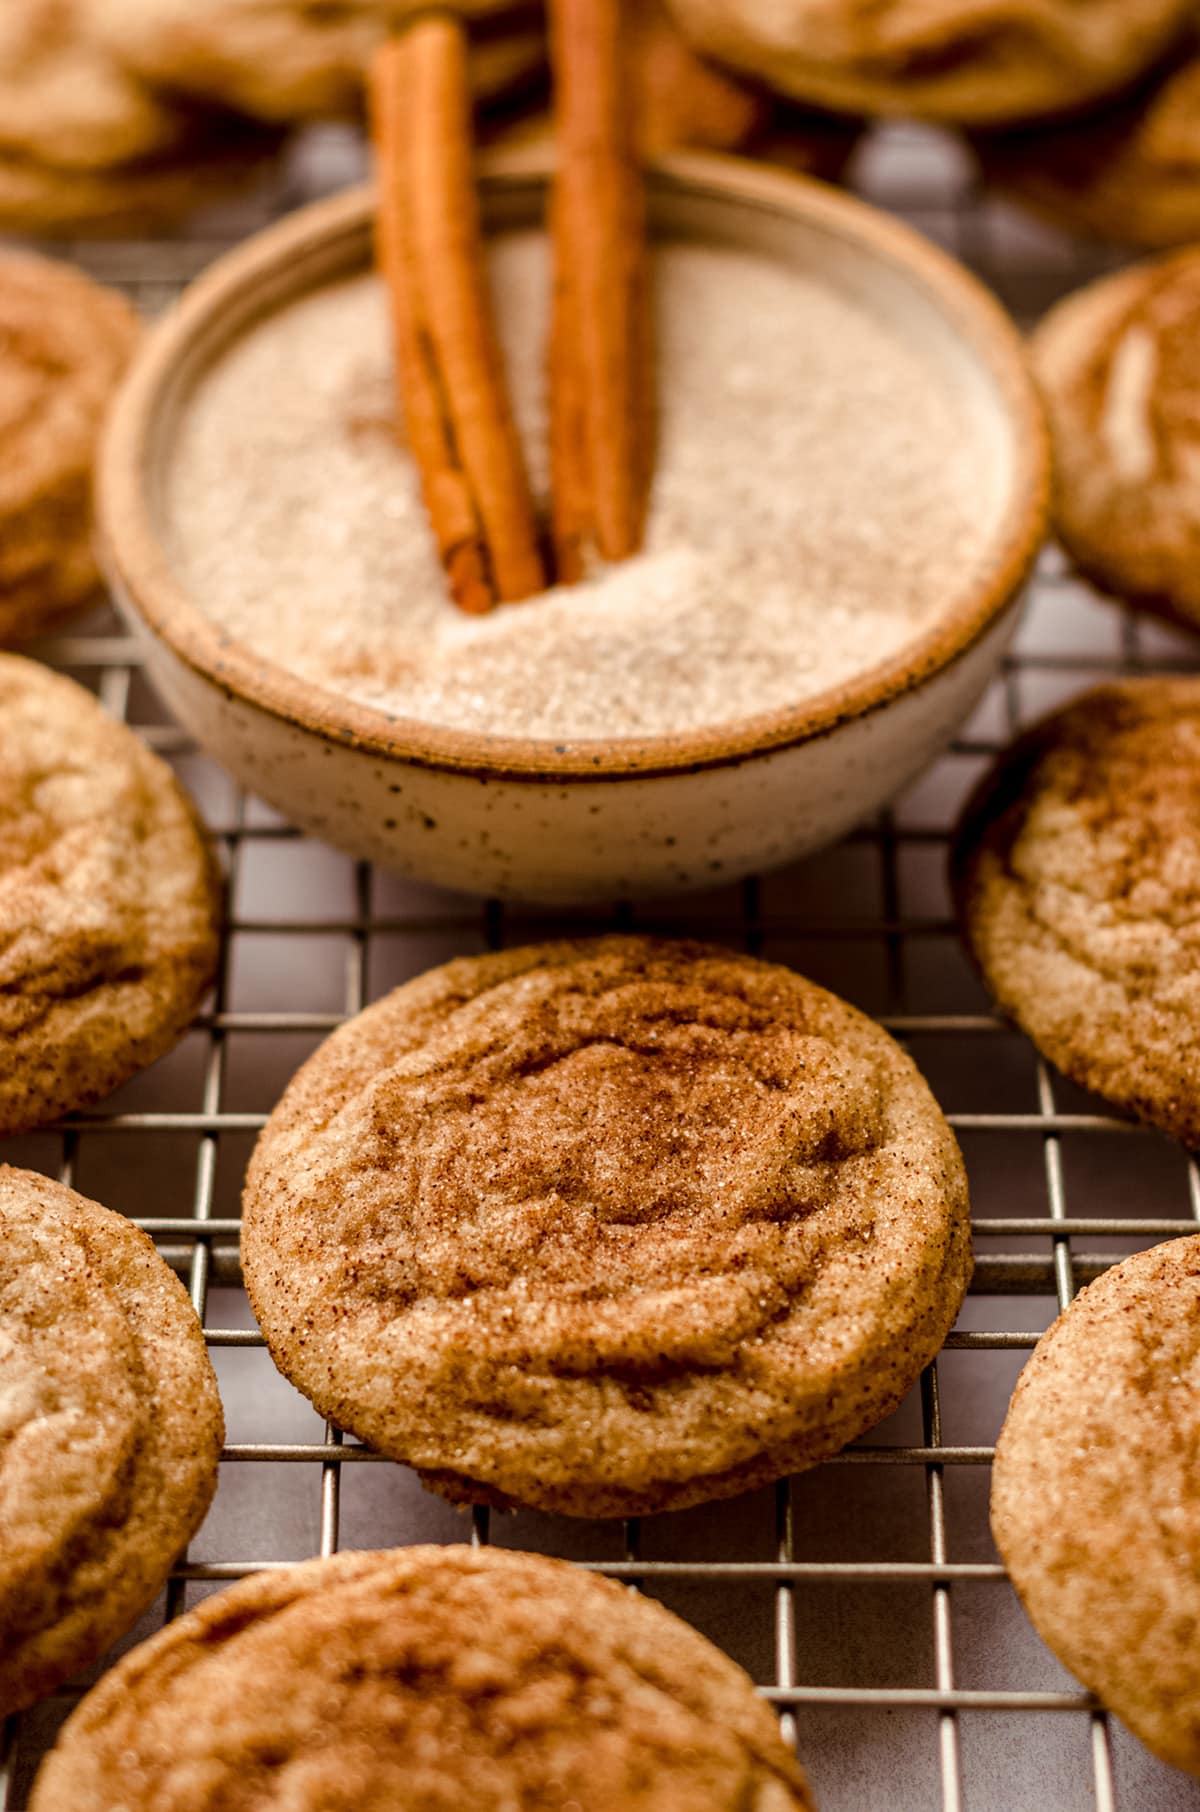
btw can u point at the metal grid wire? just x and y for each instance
(866, 1597)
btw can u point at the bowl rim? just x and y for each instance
(140, 570)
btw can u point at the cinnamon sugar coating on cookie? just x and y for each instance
(108, 900)
(1119, 366)
(64, 345)
(110, 1430)
(1095, 1504)
(1077, 871)
(606, 1227)
(431, 1677)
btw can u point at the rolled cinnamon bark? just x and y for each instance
(449, 368)
(601, 367)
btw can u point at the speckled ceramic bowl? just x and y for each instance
(522, 818)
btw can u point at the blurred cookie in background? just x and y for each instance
(109, 901)
(1130, 172)
(148, 196)
(87, 146)
(66, 99)
(288, 60)
(959, 61)
(64, 346)
(1119, 367)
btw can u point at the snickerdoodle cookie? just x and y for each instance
(681, 100)
(1130, 172)
(1096, 1493)
(108, 900)
(65, 97)
(956, 60)
(676, 97)
(1119, 367)
(431, 1677)
(606, 1227)
(290, 59)
(64, 344)
(110, 1430)
(1077, 870)
(145, 196)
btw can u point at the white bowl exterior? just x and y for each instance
(579, 839)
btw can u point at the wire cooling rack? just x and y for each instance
(865, 1597)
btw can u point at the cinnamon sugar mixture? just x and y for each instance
(822, 485)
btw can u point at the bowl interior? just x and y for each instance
(967, 345)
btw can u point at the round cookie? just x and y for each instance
(1131, 172)
(290, 60)
(64, 345)
(65, 99)
(1076, 872)
(110, 1430)
(1119, 368)
(140, 197)
(606, 1227)
(1094, 1493)
(964, 61)
(431, 1677)
(108, 900)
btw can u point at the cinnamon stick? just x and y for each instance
(572, 527)
(448, 363)
(601, 409)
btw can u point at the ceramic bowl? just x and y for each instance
(529, 819)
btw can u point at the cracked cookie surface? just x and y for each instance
(606, 1227)
(417, 1677)
(1094, 1493)
(108, 900)
(64, 345)
(1119, 367)
(110, 1430)
(970, 61)
(1077, 870)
